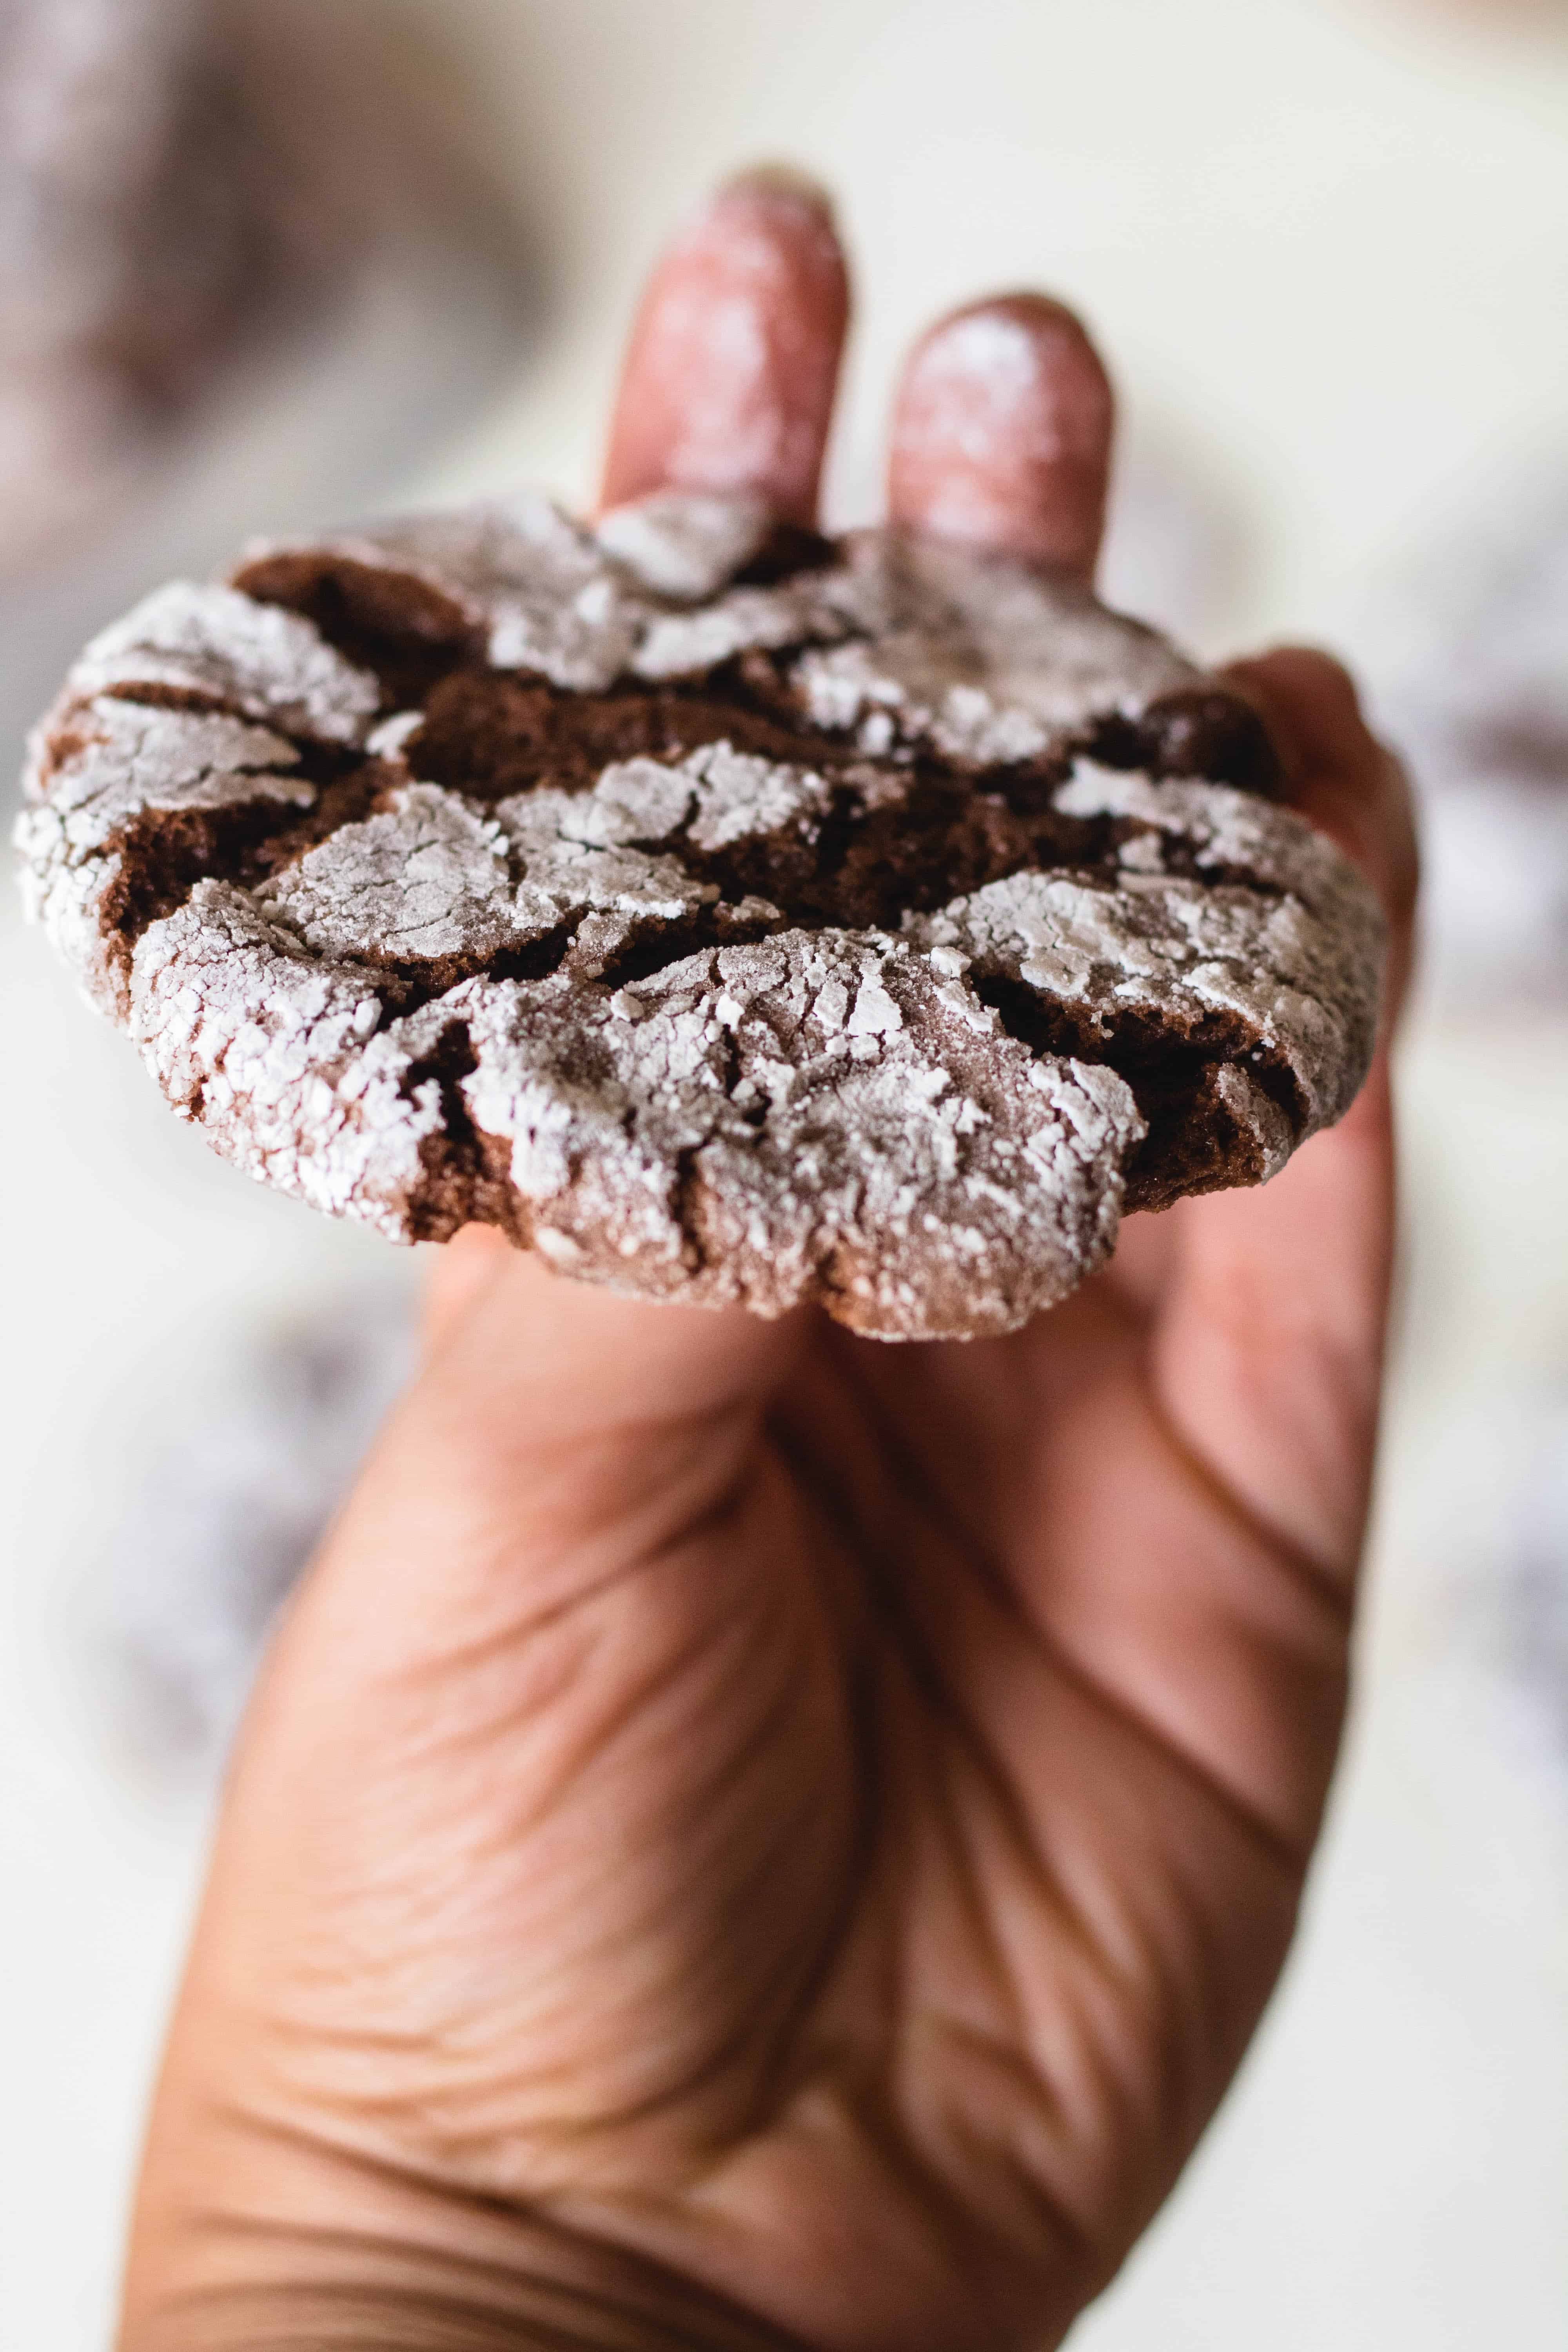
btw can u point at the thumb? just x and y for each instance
(524, 1367)
(554, 1431)
(495, 1310)
(431, 1789)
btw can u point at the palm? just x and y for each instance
(901, 1816)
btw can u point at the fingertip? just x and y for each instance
(461, 1271)
(1002, 433)
(1314, 711)
(1311, 702)
(1342, 779)
(779, 185)
(509, 1328)
(732, 363)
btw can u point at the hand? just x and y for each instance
(751, 1836)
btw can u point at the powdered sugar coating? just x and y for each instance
(1224, 831)
(557, 1008)
(933, 642)
(570, 873)
(816, 1115)
(715, 796)
(215, 646)
(1300, 972)
(682, 545)
(106, 766)
(121, 758)
(427, 877)
(949, 652)
(282, 1058)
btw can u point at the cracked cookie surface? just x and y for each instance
(730, 915)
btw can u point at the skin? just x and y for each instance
(747, 1835)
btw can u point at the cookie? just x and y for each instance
(732, 915)
(139, 233)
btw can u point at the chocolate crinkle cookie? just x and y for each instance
(730, 915)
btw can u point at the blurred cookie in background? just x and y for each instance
(176, 1610)
(177, 179)
(249, 271)
(1490, 1637)
(1474, 692)
(136, 225)
(1535, 1586)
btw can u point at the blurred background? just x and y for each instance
(266, 263)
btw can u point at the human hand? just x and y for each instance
(749, 1836)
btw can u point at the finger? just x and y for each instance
(556, 1436)
(1352, 787)
(462, 1729)
(459, 1273)
(1138, 1272)
(728, 378)
(549, 1405)
(576, 1355)
(1348, 783)
(521, 1361)
(1267, 1357)
(1001, 432)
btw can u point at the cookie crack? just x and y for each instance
(1194, 1143)
(1202, 731)
(407, 984)
(685, 1196)
(164, 853)
(466, 1172)
(425, 652)
(655, 946)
